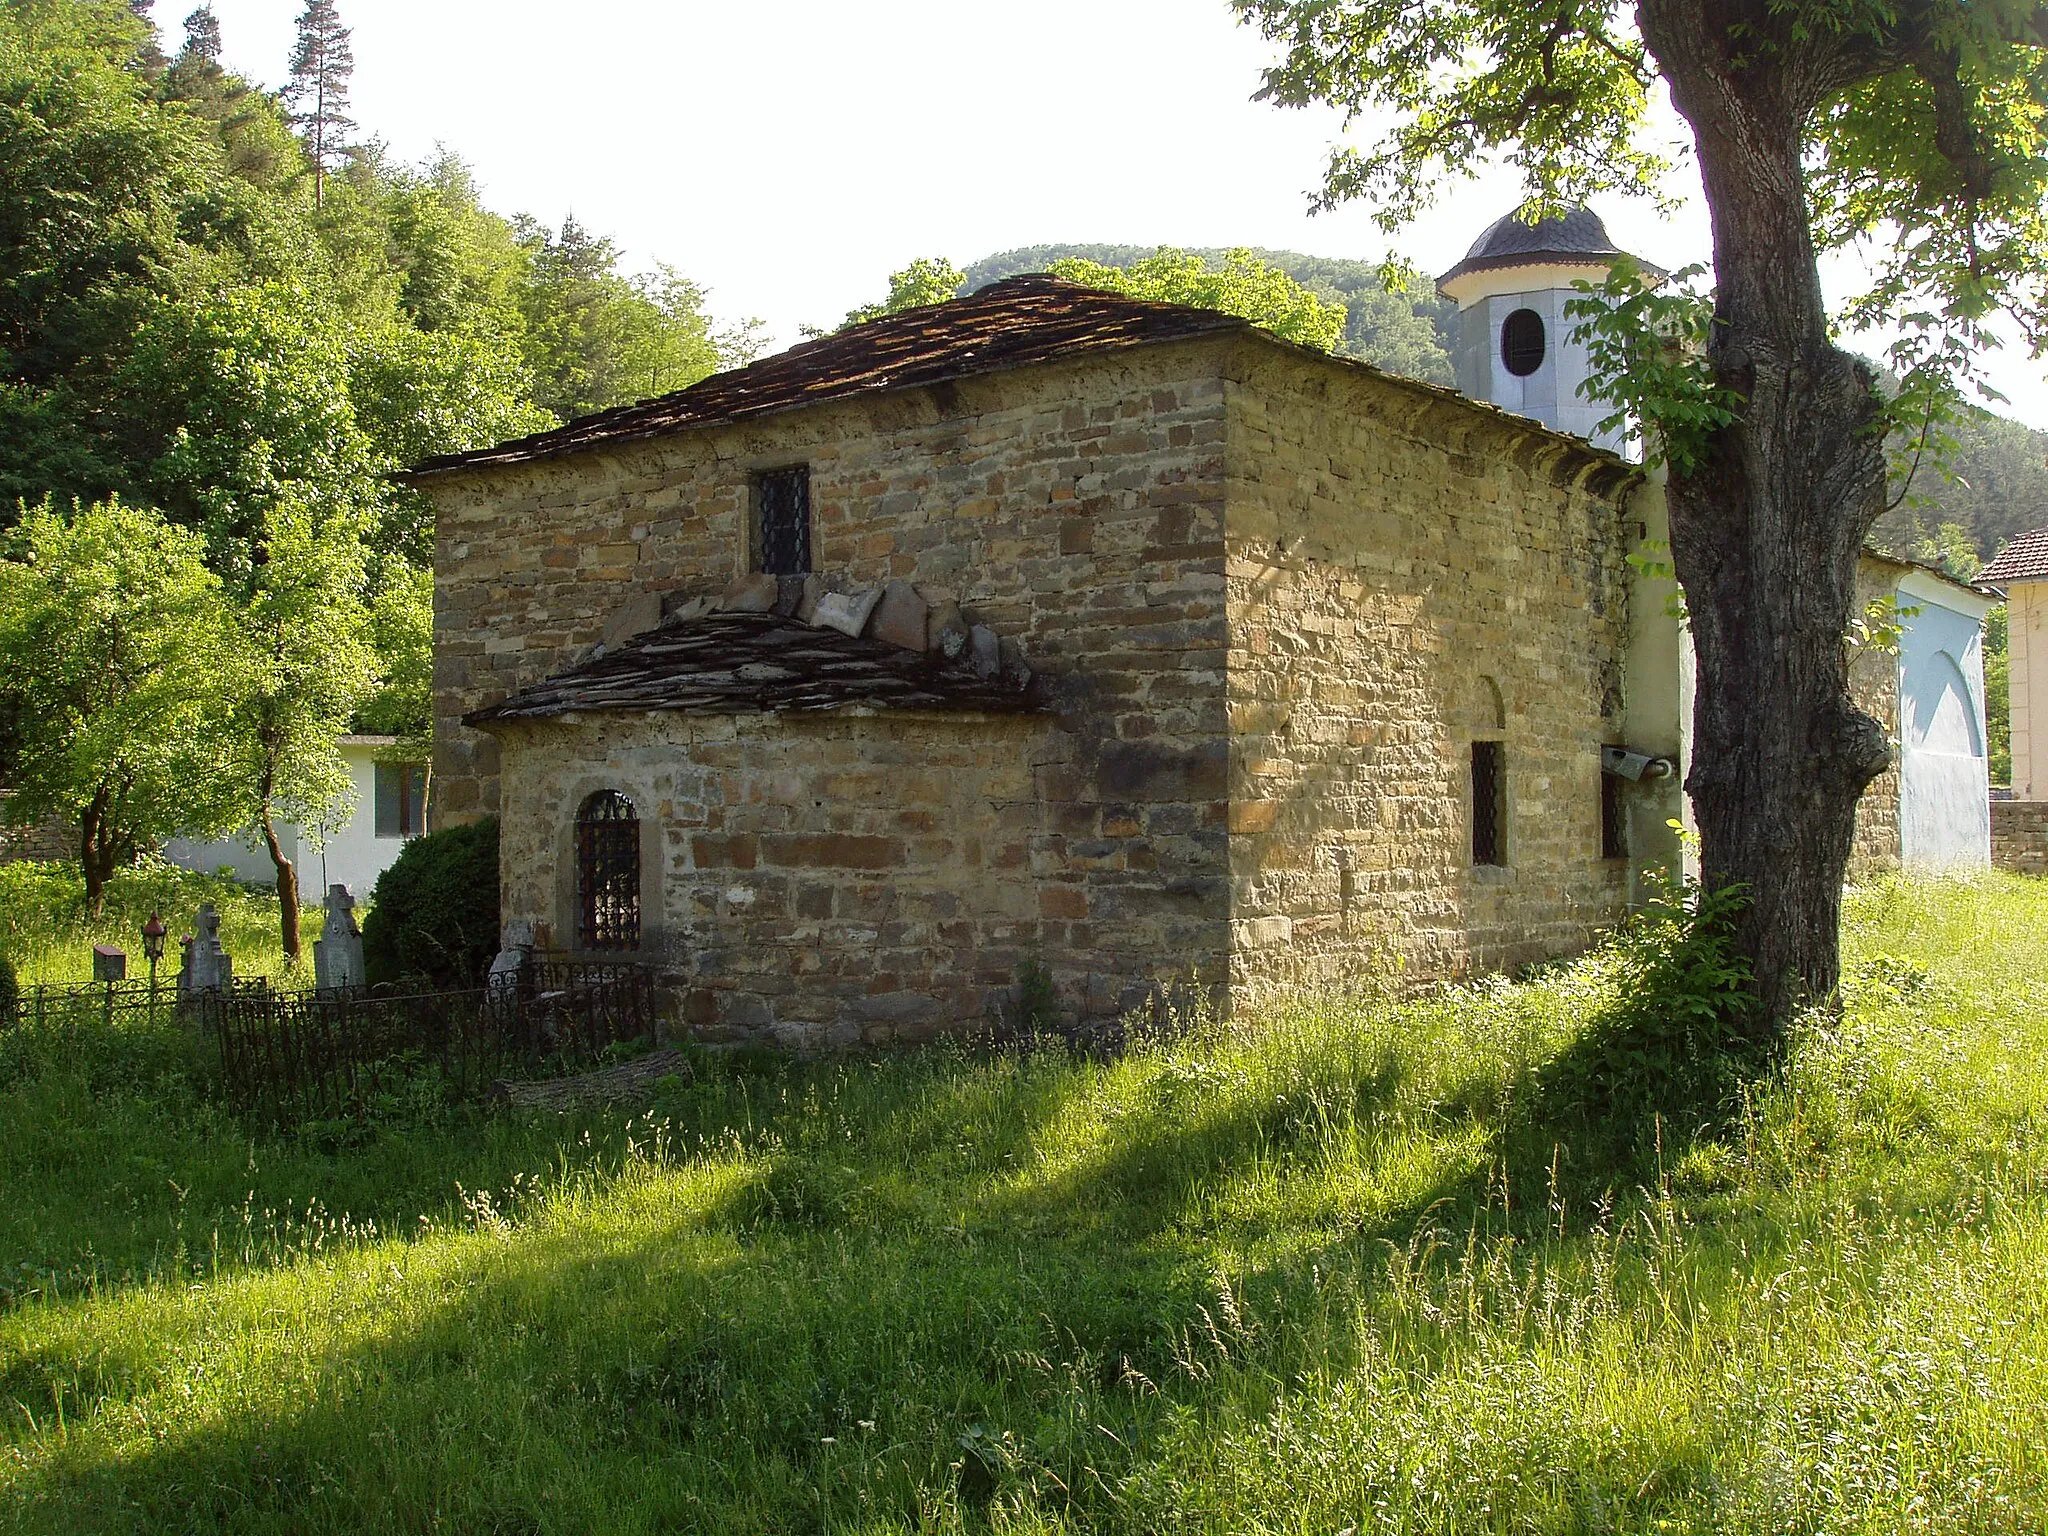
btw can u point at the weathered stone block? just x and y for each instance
(635, 616)
(847, 612)
(899, 617)
(756, 593)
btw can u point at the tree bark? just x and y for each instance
(287, 890)
(1767, 531)
(96, 853)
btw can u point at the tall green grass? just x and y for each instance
(48, 932)
(1355, 1265)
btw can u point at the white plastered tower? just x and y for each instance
(1514, 338)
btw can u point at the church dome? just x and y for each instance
(1574, 238)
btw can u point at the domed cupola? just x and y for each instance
(1514, 338)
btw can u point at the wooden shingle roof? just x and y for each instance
(1021, 320)
(746, 663)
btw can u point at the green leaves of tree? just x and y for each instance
(927, 280)
(114, 655)
(1243, 285)
(1647, 343)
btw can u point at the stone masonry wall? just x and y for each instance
(50, 839)
(2019, 836)
(1075, 508)
(1874, 684)
(822, 880)
(1407, 576)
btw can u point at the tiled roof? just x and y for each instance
(1029, 319)
(2024, 559)
(743, 663)
(1574, 237)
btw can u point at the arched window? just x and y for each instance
(1522, 342)
(607, 873)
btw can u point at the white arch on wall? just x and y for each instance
(1940, 715)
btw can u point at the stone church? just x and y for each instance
(1051, 628)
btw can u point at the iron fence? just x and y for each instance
(46, 1003)
(297, 1056)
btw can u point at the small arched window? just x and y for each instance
(607, 873)
(1522, 342)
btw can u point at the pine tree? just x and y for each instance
(318, 94)
(202, 36)
(149, 57)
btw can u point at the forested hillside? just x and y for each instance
(193, 320)
(200, 316)
(226, 316)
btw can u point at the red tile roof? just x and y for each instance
(1021, 320)
(2024, 559)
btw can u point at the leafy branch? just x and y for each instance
(1647, 345)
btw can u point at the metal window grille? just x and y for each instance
(1489, 803)
(782, 521)
(1522, 342)
(607, 873)
(1613, 819)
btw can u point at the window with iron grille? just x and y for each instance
(1613, 818)
(607, 873)
(782, 521)
(1489, 803)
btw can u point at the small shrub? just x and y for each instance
(435, 912)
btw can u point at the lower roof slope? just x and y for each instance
(747, 663)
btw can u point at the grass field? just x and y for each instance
(1364, 1266)
(47, 932)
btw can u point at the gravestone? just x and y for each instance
(205, 967)
(511, 962)
(109, 963)
(338, 952)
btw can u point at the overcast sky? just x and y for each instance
(788, 156)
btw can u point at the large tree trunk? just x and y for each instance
(287, 890)
(1765, 534)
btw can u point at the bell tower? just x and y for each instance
(1514, 338)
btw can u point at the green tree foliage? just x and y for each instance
(322, 62)
(113, 665)
(1241, 285)
(189, 321)
(300, 666)
(1392, 316)
(598, 336)
(1917, 132)
(434, 915)
(927, 280)
(402, 632)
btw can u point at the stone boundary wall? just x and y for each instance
(1874, 685)
(2019, 836)
(52, 839)
(1406, 577)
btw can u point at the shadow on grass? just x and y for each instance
(898, 1329)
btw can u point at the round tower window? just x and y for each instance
(1522, 342)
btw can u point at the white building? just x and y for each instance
(387, 808)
